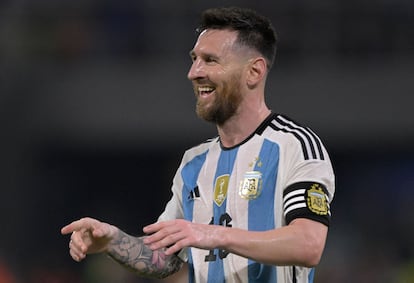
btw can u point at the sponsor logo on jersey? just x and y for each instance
(251, 186)
(316, 200)
(220, 189)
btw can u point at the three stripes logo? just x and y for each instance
(310, 142)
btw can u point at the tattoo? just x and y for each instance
(133, 254)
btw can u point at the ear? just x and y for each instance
(256, 72)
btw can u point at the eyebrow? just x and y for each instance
(192, 54)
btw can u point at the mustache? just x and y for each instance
(202, 81)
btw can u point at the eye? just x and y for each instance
(193, 56)
(211, 59)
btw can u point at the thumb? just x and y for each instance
(103, 230)
(98, 233)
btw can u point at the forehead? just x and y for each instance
(215, 41)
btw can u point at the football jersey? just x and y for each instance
(280, 172)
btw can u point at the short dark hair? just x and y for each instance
(254, 30)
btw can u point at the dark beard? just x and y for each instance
(225, 105)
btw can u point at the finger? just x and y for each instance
(173, 249)
(76, 255)
(165, 241)
(156, 237)
(77, 241)
(76, 251)
(74, 248)
(67, 229)
(165, 227)
(152, 228)
(75, 225)
(167, 236)
(83, 223)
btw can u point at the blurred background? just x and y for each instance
(96, 112)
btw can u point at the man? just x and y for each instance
(251, 205)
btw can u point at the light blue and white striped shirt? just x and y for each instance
(281, 172)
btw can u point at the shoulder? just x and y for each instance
(287, 131)
(200, 149)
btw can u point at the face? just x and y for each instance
(216, 74)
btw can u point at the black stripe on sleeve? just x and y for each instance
(302, 142)
(294, 128)
(310, 142)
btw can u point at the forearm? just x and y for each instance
(133, 254)
(289, 245)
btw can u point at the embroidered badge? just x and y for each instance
(251, 186)
(220, 189)
(316, 200)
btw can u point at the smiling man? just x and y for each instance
(251, 205)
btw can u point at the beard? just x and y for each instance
(224, 105)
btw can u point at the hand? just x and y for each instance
(88, 236)
(178, 234)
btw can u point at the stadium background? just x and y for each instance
(96, 111)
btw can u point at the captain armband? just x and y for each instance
(306, 200)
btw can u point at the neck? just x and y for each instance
(242, 125)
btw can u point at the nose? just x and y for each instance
(196, 70)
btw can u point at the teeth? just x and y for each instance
(205, 89)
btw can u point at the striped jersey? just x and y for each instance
(280, 172)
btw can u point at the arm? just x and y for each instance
(92, 236)
(300, 243)
(132, 253)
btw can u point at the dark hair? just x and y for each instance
(254, 30)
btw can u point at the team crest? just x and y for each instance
(220, 189)
(251, 186)
(316, 200)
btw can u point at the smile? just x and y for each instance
(205, 90)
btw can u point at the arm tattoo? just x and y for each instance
(133, 254)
